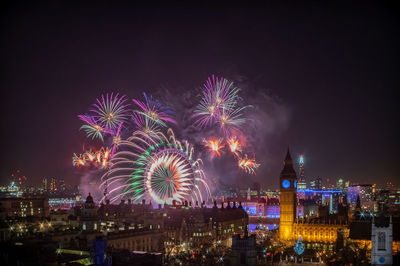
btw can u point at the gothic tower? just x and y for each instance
(381, 241)
(288, 187)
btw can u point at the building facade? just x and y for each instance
(288, 201)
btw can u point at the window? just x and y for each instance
(381, 241)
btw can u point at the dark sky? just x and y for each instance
(332, 67)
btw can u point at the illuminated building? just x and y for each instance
(309, 208)
(313, 230)
(89, 219)
(65, 203)
(23, 207)
(53, 184)
(365, 192)
(288, 201)
(316, 184)
(44, 184)
(62, 185)
(318, 230)
(262, 212)
(340, 184)
(302, 179)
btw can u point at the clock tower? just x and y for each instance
(288, 188)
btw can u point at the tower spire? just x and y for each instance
(288, 164)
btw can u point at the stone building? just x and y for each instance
(23, 207)
(288, 201)
(243, 251)
(317, 231)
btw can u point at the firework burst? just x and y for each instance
(230, 121)
(214, 146)
(97, 159)
(234, 145)
(248, 165)
(157, 167)
(111, 110)
(154, 110)
(78, 160)
(92, 128)
(218, 94)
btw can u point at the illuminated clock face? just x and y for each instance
(285, 183)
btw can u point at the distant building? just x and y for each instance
(44, 184)
(340, 184)
(23, 207)
(89, 219)
(316, 184)
(365, 192)
(302, 184)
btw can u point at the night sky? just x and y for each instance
(329, 73)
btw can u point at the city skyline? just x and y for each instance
(330, 98)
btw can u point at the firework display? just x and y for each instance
(158, 167)
(155, 110)
(92, 128)
(220, 107)
(249, 165)
(140, 155)
(92, 158)
(110, 111)
(214, 146)
(234, 145)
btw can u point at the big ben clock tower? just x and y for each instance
(288, 187)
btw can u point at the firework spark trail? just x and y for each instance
(224, 93)
(218, 94)
(234, 145)
(92, 128)
(155, 166)
(249, 165)
(230, 121)
(154, 110)
(111, 110)
(214, 146)
(145, 124)
(78, 160)
(98, 159)
(116, 139)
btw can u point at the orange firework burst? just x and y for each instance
(234, 145)
(249, 165)
(214, 146)
(95, 158)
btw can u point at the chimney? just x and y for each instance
(143, 201)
